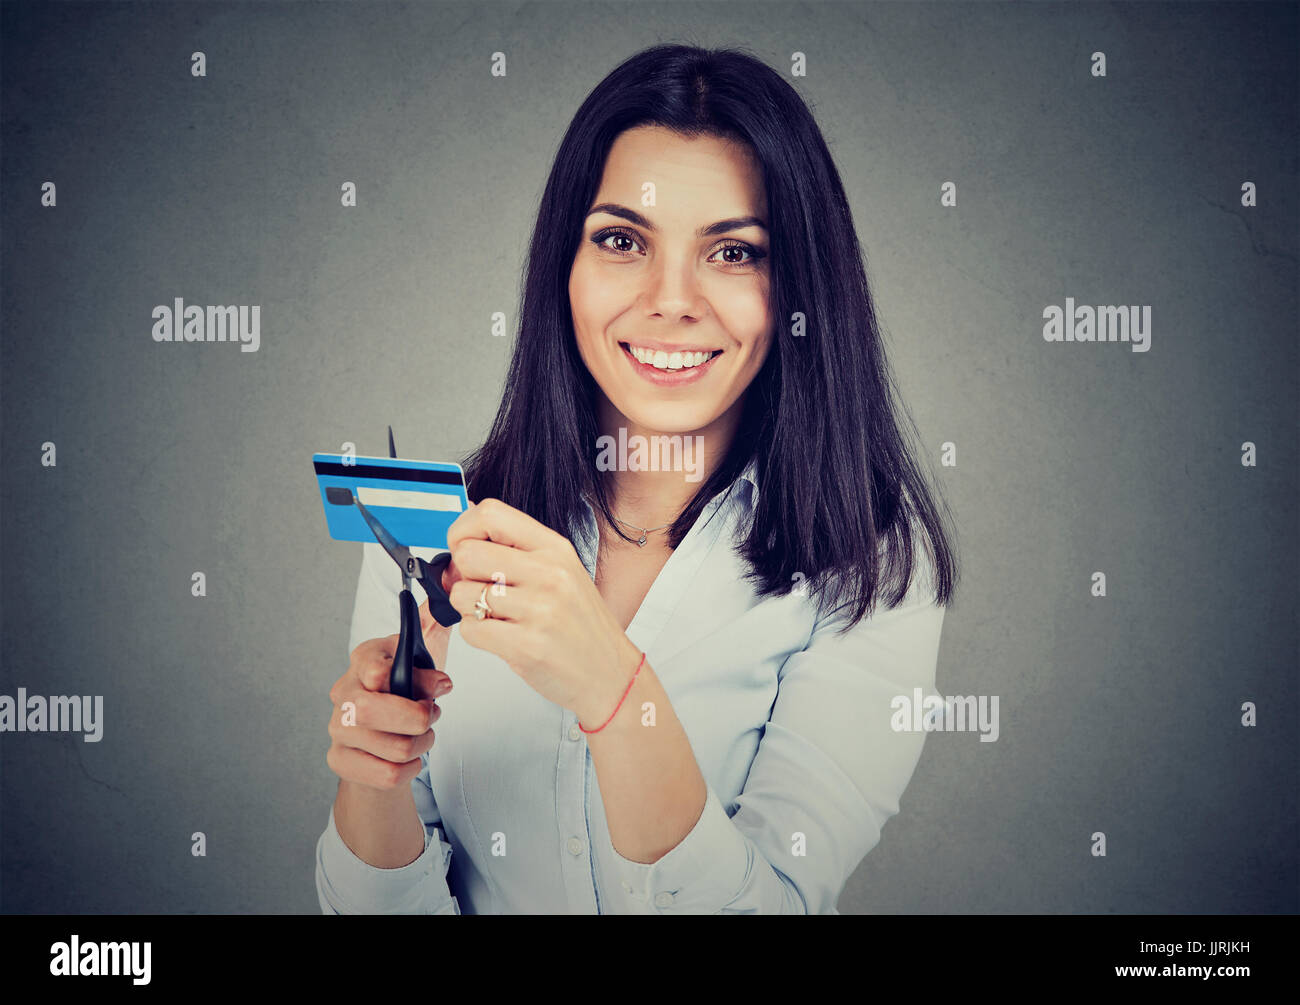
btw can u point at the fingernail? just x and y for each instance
(442, 688)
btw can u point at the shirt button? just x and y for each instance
(663, 899)
(627, 886)
(575, 846)
(574, 732)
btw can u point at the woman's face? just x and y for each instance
(685, 275)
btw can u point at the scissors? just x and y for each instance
(411, 651)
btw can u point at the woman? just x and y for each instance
(702, 562)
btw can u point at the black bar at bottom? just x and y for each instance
(390, 954)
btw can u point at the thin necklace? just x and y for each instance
(644, 530)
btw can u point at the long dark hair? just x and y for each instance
(838, 484)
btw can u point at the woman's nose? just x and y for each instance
(673, 288)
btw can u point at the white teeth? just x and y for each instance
(662, 360)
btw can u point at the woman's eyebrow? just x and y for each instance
(721, 227)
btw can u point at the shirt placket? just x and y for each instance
(571, 789)
(582, 887)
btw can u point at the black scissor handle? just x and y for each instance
(411, 651)
(439, 603)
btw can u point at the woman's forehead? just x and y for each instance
(693, 177)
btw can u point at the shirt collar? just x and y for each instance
(750, 475)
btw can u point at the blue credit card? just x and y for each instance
(416, 501)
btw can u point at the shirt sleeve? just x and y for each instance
(829, 772)
(345, 884)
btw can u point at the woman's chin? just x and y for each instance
(667, 419)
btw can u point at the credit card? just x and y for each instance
(416, 501)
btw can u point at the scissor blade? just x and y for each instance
(397, 552)
(392, 450)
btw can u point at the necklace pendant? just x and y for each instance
(641, 542)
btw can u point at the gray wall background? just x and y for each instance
(1119, 714)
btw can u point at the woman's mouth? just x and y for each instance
(674, 368)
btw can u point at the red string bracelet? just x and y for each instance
(620, 702)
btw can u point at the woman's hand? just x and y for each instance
(378, 737)
(549, 623)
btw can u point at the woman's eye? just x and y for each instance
(621, 240)
(731, 254)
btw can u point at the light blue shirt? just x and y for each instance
(790, 724)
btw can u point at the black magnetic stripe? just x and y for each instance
(388, 474)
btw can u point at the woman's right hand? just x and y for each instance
(378, 737)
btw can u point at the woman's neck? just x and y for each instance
(678, 463)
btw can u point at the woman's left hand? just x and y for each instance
(548, 621)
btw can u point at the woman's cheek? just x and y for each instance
(606, 293)
(745, 316)
(588, 296)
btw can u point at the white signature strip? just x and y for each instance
(403, 499)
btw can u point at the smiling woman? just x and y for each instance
(674, 681)
(677, 297)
